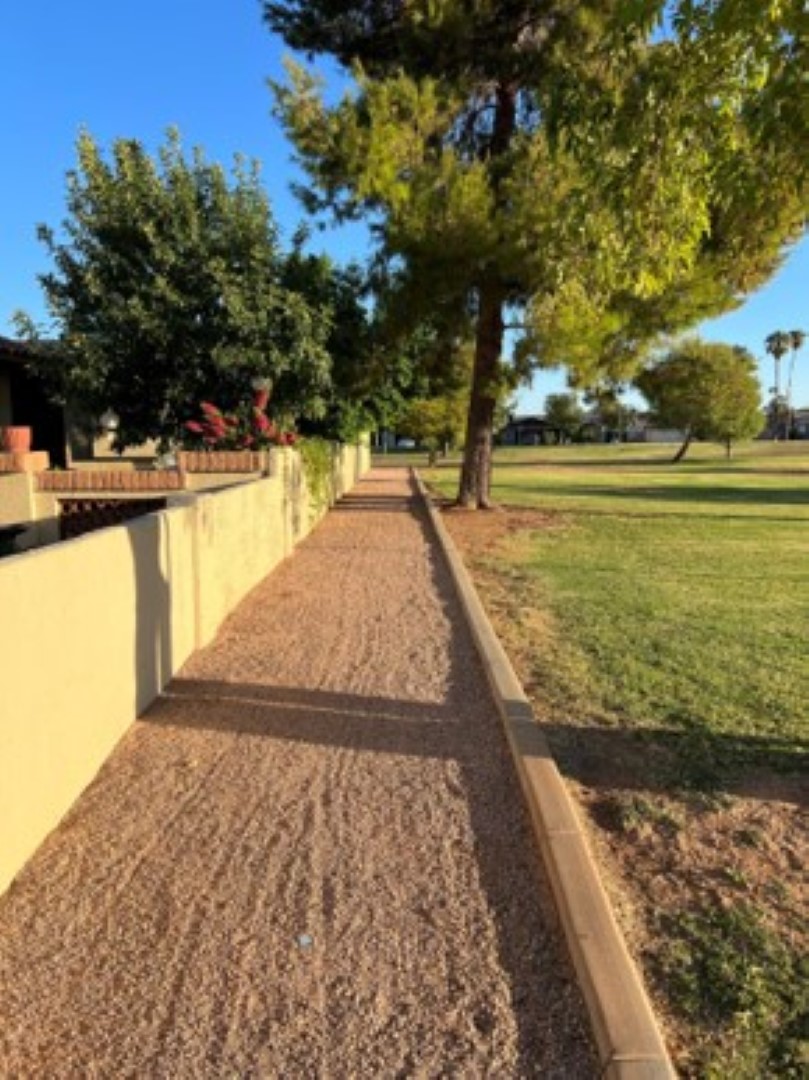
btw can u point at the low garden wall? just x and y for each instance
(92, 629)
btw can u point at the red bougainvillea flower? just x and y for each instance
(247, 426)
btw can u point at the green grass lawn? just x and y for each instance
(659, 616)
(681, 592)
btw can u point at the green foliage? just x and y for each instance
(563, 412)
(779, 407)
(434, 403)
(434, 422)
(604, 171)
(778, 344)
(168, 289)
(355, 399)
(707, 390)
(613, 413)
(797, 339)
(317, 457)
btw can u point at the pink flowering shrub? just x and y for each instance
(246, 428)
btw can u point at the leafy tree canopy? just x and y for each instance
(593, 172)
(435, 423)
(615, 415)
(564, 412)
(708, 390)
(169, 288)
(355, 399)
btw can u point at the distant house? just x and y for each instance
(24, 403)
(662, 435)
(527, 431)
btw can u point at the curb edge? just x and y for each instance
(624, 1026)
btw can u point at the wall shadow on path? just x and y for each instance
(375, 504)
(529, 946)
(313, 717)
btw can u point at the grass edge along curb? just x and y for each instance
(627, 1035)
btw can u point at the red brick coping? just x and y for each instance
(137, 480)
(129, 480)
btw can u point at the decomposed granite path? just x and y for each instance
(309, 858)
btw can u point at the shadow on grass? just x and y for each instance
(550, 462)
(670, 762)
(664, 464)
(745, 496)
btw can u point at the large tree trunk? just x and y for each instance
(476, 474)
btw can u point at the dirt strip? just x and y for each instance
(309, 858)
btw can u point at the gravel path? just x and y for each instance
(308, 858)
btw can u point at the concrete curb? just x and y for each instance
(627, 1036)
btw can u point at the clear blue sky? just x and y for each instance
(132, 70)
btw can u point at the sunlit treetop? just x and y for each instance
(590, 173)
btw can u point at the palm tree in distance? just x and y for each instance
(796, 340)
(777, 345)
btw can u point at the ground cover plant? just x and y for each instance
(658, 617)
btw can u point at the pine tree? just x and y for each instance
(590, 173)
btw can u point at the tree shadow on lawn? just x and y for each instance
(574, 464)
(685, 468)
(671, 493)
